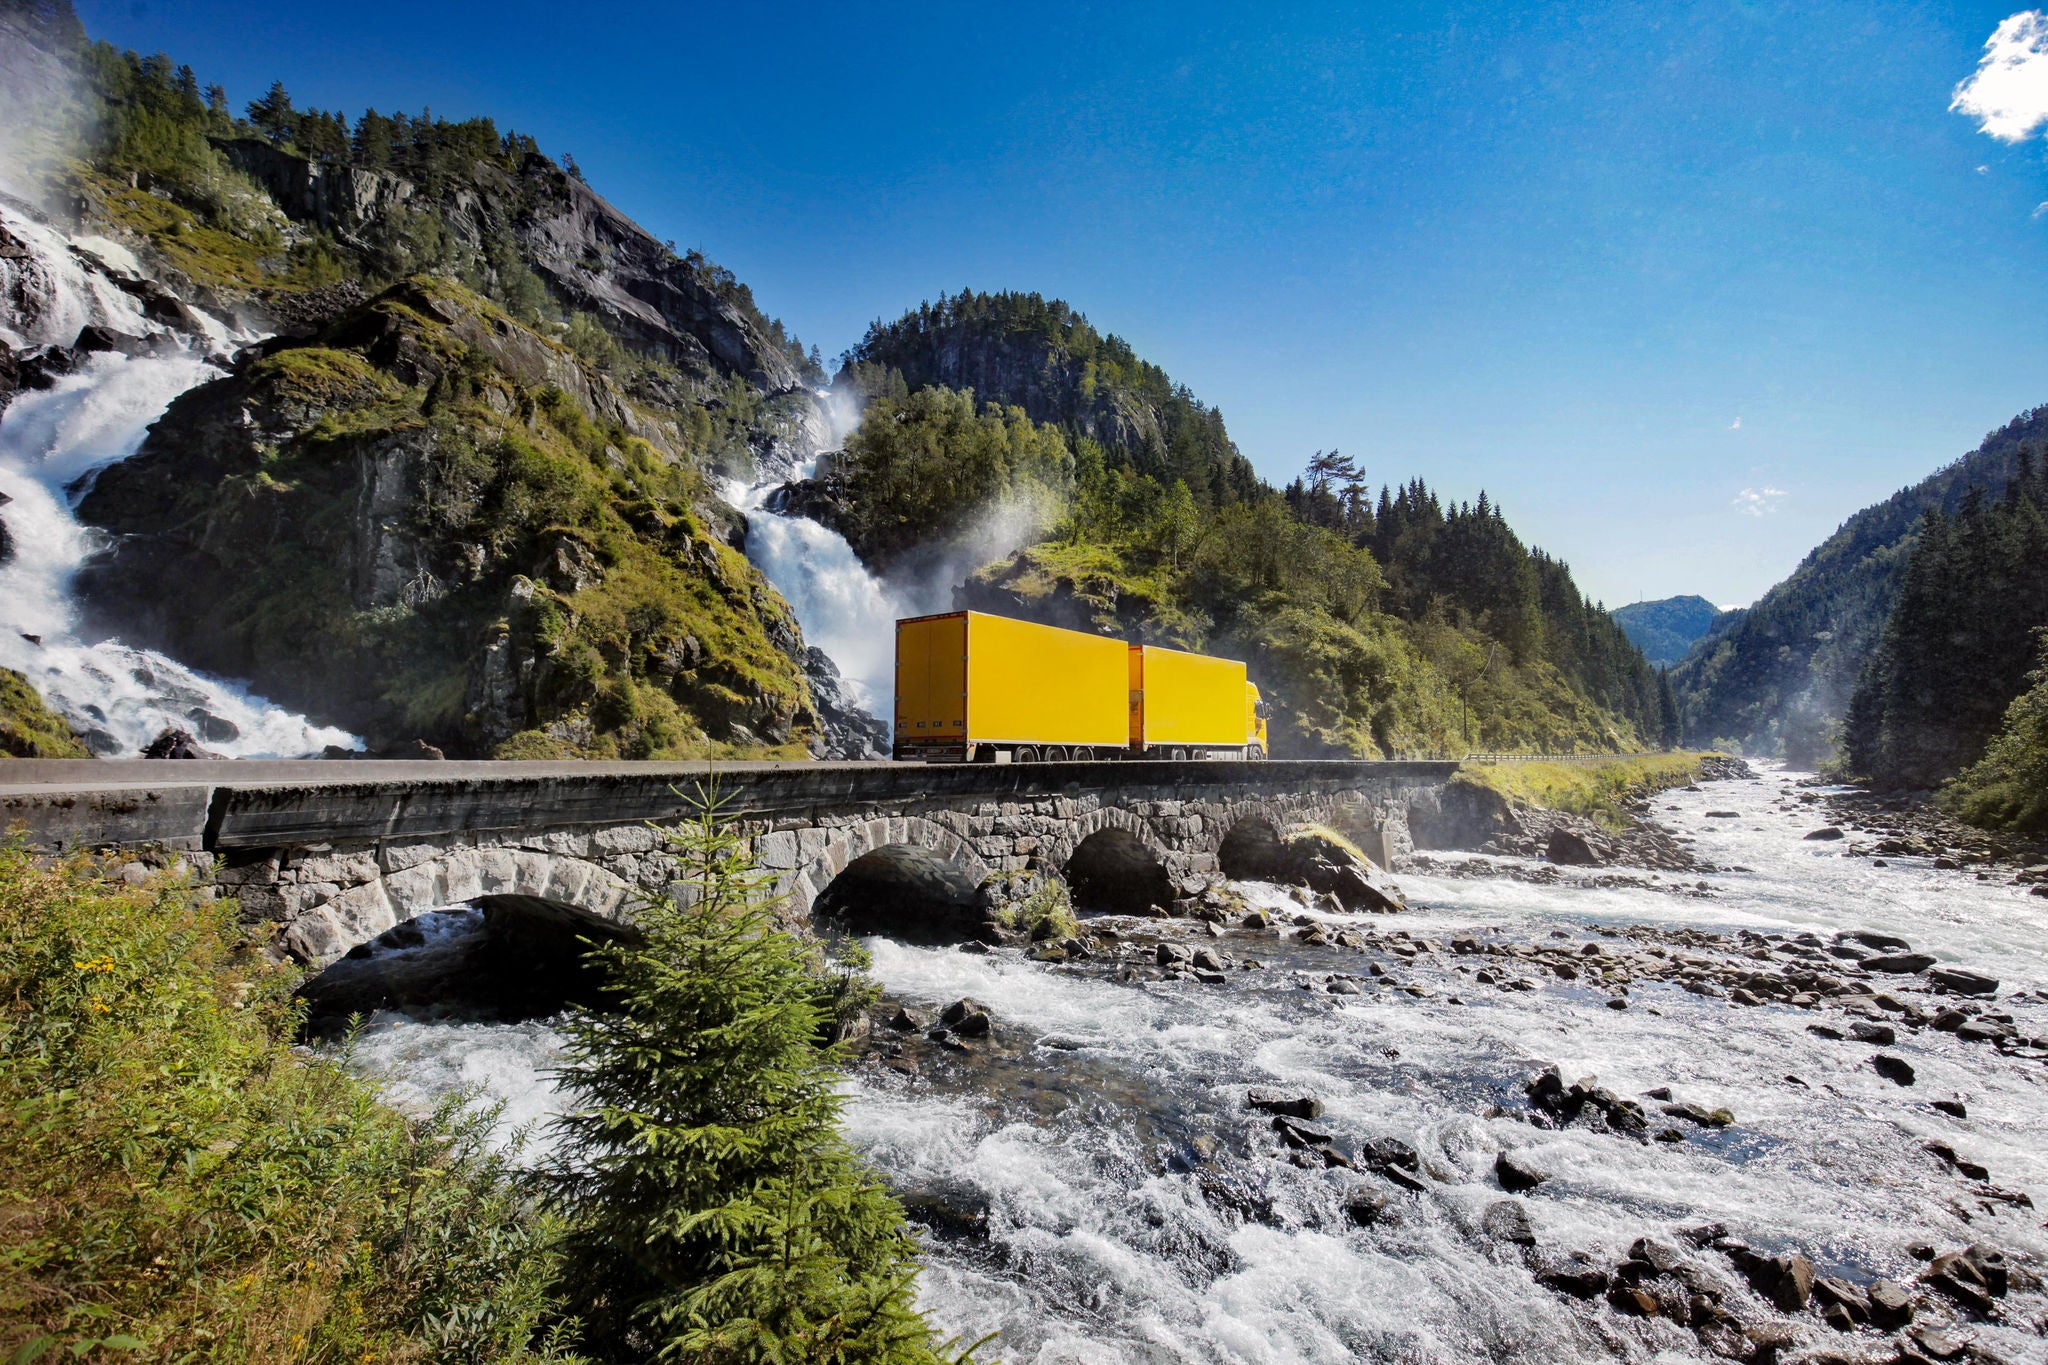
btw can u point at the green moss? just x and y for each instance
(326, 377)
(1600, 789)
(30, 729)
(209, 256)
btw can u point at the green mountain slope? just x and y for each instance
(1397, 627)
(464, 496)
(1665, 629)
(1777, 678)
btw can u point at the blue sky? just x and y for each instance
(1682, 286)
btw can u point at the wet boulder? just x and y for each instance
(1505, 1220)
(1571, 849)
(176, 743)
(1575, 1273)
(1899, 964)
(1897, 1070)
(966, 1017)
(1963, 982)
(1284, 1103)
(1826, 833)
(1516, 1173)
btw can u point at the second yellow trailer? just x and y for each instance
(971, 687)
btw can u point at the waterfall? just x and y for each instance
(52, 441)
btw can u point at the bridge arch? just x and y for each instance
(572, 887)
(1112, 859)
(914, 872)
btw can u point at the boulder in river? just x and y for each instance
(1963, 982)
(966, 1017)
(1826, 832)
(1897, 1070)
(176, 743)
(1871, 938)
(1515, 1173)
(1899, 964)
(1505, 1220)
(1284, 1103)
(1570, 849)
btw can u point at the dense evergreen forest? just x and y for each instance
(1962, 636)
(1777, 678)
(1392, 624)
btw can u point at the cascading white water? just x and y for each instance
(843, 609)
(51, 443)
(1136, 1213)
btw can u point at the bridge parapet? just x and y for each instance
(337, 853)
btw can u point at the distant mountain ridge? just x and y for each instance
(1666, 628)
(1776, 678)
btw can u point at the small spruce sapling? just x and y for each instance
(716, 1214)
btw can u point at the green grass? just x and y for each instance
(1598, 789)
(28, 728)
(179, 1184)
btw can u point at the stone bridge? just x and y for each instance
(336, 853)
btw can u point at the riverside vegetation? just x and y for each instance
(544, 399)
(183, 1183)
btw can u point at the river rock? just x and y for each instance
(1826, 832)
(1786, 1280)
(966, 1017)
(1515, 1173)
(1894, 1069)
(1284, 1104)
(1366, 1207)
(1878, 1035)
(1891, 1306)
(176, 743)
(1575, 1273)
(1505, 1220)
(1936, 1345)
(1900, 964)
(906, 1019)
(1871, 938)
(1963, 982)
(1173, 955)
(1570, 849)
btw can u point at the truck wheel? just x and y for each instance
(1027, 754)
(1055, 753)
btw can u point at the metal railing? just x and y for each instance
(1543, 758)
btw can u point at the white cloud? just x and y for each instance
(1757, 502)
(2008, 92)
(2040, 212)
(1735, 425)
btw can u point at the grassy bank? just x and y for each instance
(1599, 789)
(180, 1185)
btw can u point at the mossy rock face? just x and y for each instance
(430, 522)
(30, 729)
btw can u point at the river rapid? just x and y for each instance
(1098, 1190)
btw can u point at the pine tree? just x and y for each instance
(711, 1199)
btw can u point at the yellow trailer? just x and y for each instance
(974, 687)
(1192, 706)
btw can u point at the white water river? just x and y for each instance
(1105, 1133)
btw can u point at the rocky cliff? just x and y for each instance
(431, 522)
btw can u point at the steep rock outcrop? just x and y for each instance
(595, 259)
(434, 523)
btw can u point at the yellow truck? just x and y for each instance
(976, 688)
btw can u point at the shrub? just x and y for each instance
(180, 1184)
(713, 1206)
